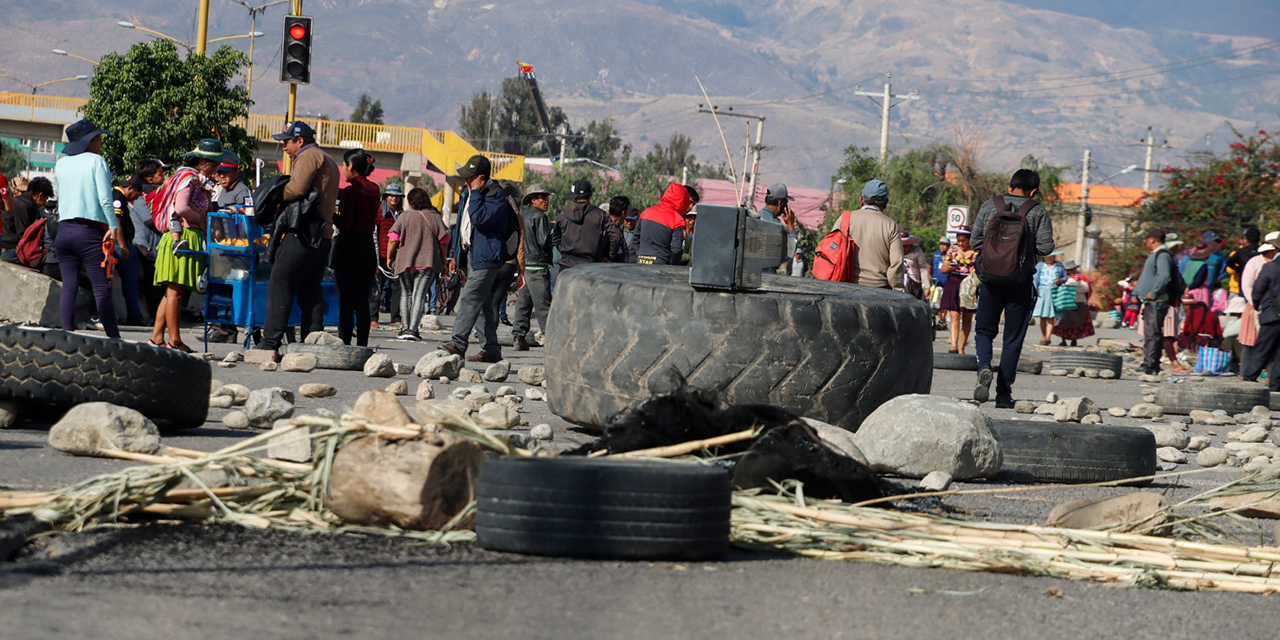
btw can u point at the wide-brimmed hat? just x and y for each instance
(19, 183)
(963, 230)
(533, 191)
(908, 239)
(208, 149)
(80, 134)
(1070, 265)
(1265, 247)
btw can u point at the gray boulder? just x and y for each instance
(299, 362)
(93, 427)
(532, 375)
(1169, 435)
(321, 337)
(379, 365)
(265, 406)
(498, 371)
(915, 435)
(438, 364)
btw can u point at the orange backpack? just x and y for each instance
(833, 259)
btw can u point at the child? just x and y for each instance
(1130, 304)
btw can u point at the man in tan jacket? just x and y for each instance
(299, 263)
(878, 259)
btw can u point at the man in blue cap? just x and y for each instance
(777, 208)
(878, 260)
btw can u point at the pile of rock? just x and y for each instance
(1075, 409)
(1081, 372)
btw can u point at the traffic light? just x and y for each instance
(296, 66)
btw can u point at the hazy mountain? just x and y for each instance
(1013, 75)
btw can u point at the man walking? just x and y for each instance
(1012, 230)
(491, 218)
(1155, 292)
(386, 290)
(304, 248)
(536, 294)
(878, 259)
(584, 233)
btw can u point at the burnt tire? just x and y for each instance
(1074, 454)
(341, 357)
(955, 361)
(619, 509)
(1087, 360)
(1234, 397)
(833, 352)
(60, 370)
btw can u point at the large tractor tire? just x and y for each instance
(829, 351)
(60, 370)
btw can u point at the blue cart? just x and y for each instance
(238, 276)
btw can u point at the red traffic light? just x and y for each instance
(297, 32)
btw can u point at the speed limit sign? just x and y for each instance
(957, 216)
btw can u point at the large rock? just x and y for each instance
(425, 391)
(93, 427)
(438, 364)
(498, 371)
(1128, 512)
(497, 416)
(416, 483)
(299, 362)
(238, 392)
(28, 296)
(379, 365)
(381, 408)
(1146, 410)
(1078, 408)
(915, 435)
(265, 406)
(1168, 435)
(1211, 457)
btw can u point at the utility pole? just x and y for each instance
(1151, 146)
(886, 102)
(1084, 207)
(202, 27)
(756, 148)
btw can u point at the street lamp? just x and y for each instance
(255, 34)
(36, 87)
(72, 55)
(130, 25)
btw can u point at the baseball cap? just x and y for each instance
(393, 189)
(476, 165)
(229, 161)
(633, 214)
(135, 182)
(295, 129)
(777, 191)
(581, 189)
(875, 189)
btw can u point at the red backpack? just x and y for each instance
(31, 251)
(833, 259)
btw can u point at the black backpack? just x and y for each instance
(1177, 285)
(1007, 245)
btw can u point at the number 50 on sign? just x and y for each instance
(957, 216)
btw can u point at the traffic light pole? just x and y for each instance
(293, 96)
(202, 27)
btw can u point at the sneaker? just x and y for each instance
(982, 392)
(485, 357)
(1004, 402)
(521, 344)
(411, 336)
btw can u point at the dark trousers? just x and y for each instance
(1153, 313)
(296, 275)
(1014, 302)
(386, 293)
(535, 297)
(355, 260)
(1265, 355)
(79, 245)
(129, 283)
(484, 293)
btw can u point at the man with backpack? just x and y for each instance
(1010, 233)
(27, 210)
(864, 246)
(1159, 284)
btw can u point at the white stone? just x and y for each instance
(317, 390)
(1107, 374)
(438, 364)
(1024, 406)
(1169, 454)
(915, 435)
(1092, 418)
(1146, 410)
(1261, 412)
(399, 387)
(542, 432)
(298, 362)
(403, 369)
(425, 391)
(265, 406)
(238, 392)
(1168, 435)
(1117, 412)
(321, 337)
(1047, 409)
(221, 402)
(477, 401)
(233, 357)
(498, 371)
(236, 420)
(467, 375)
(269, 366)
(94, 427)
(379, 365)
(1052, 398)
(496, 416)
(1197, 443)
(1078, 408)
(506, 390)
(1211, 457)
(535, 394)
(1253, 434)
(227, 365)
(936, 481)
(532, 375)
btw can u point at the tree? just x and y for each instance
(368, 110)
(508, 122)
(637, 181)
(600, 142)
(12, 160)
(157, 104)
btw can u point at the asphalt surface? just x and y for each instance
(198, 582)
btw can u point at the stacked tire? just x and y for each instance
(596, 508)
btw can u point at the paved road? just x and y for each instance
(197, 582)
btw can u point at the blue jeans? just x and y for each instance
(433, 294)
(129, 272)
(1015, 303)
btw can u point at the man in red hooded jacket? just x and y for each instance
(661, 227)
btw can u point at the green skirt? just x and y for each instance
(184, 269)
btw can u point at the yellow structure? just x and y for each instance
(445, 150)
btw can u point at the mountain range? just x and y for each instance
(1009, 78)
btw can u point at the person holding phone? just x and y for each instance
(777, 208)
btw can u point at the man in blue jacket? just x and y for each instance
(491, 214)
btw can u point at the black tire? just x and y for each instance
(1074, 454)
(1275, 402)
(955, 361)
(1233, 397)
(60, 370)
(587, 508)
(334, 356)
(829, 351)
(1087, 360)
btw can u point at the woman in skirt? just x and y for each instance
(186, 195)
(1049, 274)
(1078, 324)
(958, 264)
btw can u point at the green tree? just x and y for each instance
(508, 122)
(368, 110)
(157, 104)
(599, 141)
(12, 160)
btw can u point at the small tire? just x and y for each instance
(616, 509)
(955, 361)
(1233, 397)
(1087, 360)
(341, 357)
(1074, 454)
(60, 370)
(1030, 365)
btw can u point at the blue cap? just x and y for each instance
(875, 190)
(296, 129)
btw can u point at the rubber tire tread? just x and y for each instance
(594, 508)
(60, 369)
(1075, 454)
(1234, 397)
(835, 352)
(955, 361)
(1087, 360)
(340, 357)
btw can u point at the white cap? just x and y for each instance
(1272, 237)
(1265, 247)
